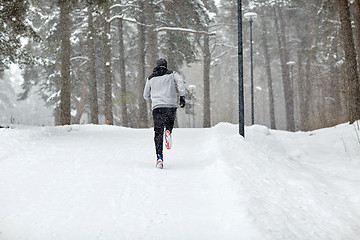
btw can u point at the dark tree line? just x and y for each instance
(96, 55)
(93, 57)
(321, 89)
(12, 27)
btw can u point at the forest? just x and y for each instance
(88, 61)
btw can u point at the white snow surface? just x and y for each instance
(89, 182)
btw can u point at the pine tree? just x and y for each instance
(13, 26)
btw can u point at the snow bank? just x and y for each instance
(100, 182)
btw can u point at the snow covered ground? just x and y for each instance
(88, 182)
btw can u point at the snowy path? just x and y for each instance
(100, 182)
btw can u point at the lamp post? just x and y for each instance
(291, 91)
(251, 16)
(240, 73)
(192, 89)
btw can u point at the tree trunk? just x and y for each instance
(107, 67)
(123, 99)
(152, 49)
(207, 59)
(284, 57)
(352, 85)
(301, 83)
(305, 113)
(169, 38)
(65, 22)
(304, 69)
(152, 43)
(268, 72)
(334, 89)
(290, 90)
(357, 31)
(93, 98)
(143, 114)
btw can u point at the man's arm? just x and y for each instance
(180, 84)
(147, 88)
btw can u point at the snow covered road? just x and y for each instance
(100, 182)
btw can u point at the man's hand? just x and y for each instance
(182, 101)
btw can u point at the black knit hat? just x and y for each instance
(161, 62)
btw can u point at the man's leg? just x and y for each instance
(170, 118)
(159, 122)
(169, 125)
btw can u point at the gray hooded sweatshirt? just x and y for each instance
(162, 90)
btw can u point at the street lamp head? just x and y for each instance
(192, 87)
(251, 16)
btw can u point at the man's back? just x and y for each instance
(162, 90)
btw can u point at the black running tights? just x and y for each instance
(163, 118)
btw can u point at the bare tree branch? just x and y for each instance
(132, 20)
(185, 30)
(123, 6)
(226, 45)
